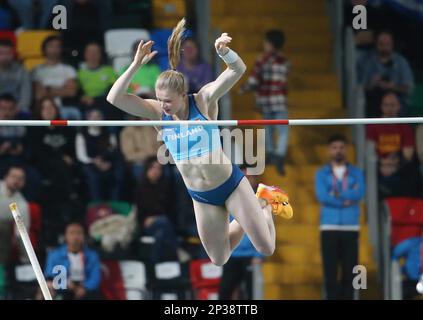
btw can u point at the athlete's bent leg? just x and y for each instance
(253, 217)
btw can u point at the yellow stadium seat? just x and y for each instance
(31, 63)
(29, 42)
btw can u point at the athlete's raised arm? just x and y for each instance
(131, 103)
(227, 79)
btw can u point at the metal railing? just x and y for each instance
(377, 219)
(372, 204)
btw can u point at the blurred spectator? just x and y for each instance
(82, 267)
(269, 80)
(144, 81)
(385, 70)
(11, 138)
(412, 250)
(89, 13)
(398, 179)
(238, 271)
(98, 151)
(153, 199)
(26, 8)
(56, 80)
(14, 79)
(339, 187)
(87, 22)
(10, 191)
(197, 72)
(53, 152)
(138, 144)
(392, 138)
(376, 20)
(95, 79)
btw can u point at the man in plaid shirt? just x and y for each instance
(269, 80)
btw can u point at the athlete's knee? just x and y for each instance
(219, 261)
(219, 258)
(267, 250)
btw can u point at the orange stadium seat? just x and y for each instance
(29, 43)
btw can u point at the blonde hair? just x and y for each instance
(172, 79)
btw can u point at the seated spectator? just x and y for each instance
(398, 179)
(144, 80)
(53, 152)
(376, 19)
(98, 151)
(14, 79)
(392, 138)
(95, 80)
(87, 22)
(154, 211)
(10, 191)
(384, 69)
(196, 71)
(25, 10)
(11, 138)
(138, 144)
(82, 265)
(56, 80)
(411, 250)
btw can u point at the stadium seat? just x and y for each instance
(120, 62)
(29, 42)
(119, 42)
(23, 282)
(205, 279)
(406, 218)
(160, 37)
(169, 280)
(406, 210)
(123, 280)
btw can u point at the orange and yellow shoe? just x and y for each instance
(277, 198)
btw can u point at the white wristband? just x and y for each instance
(230, 57)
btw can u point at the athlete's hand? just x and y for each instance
(144, 54)
(221, 44)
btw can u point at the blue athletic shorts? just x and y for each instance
(218, 196)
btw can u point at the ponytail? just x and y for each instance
(174, 44)
(172, 79)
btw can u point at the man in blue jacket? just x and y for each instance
(238, 269)
(339, 187)
(81, 264)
